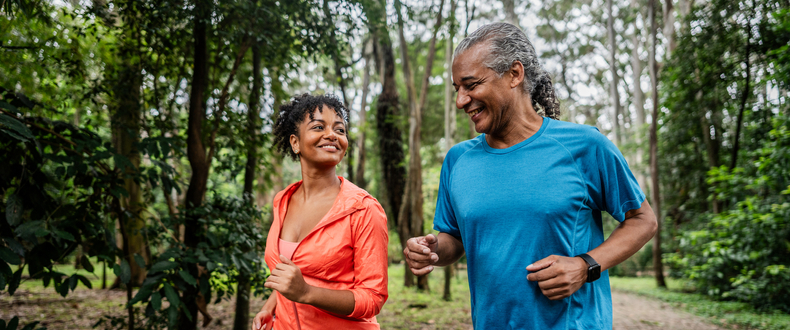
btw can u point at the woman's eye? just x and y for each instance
(342, 131)
(319, 127)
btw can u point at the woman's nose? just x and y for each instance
(330, 134)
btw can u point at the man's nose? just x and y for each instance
(462, 99)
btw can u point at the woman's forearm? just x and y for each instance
(270, 303)
(340, 302)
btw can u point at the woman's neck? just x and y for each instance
(319, 182)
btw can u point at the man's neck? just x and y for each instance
(520, 128)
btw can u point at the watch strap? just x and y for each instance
(593, 268)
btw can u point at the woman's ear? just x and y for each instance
(517, 74)
(295, 144)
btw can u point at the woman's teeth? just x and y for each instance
(330, 147)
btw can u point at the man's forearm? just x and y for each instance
(630, 236)
(450, 249)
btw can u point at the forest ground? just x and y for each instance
(405, 309)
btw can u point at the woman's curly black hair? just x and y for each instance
(293, 113)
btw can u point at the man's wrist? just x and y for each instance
(583, 265)
(593, 268)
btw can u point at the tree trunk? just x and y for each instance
(449, 123)
(658, 266)
(389, 133)
(241, 320)
(335, 55)
(510, 12)
(264, 197)
(744, 97)
(449, 103)
(196, 153)
(669, 26)
(359, 173)
(411, 220)
(614, 92)
(639, 99)
(125, 132)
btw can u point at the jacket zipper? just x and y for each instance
(336, 216)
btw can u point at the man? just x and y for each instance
(523, 200)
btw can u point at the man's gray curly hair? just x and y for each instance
(509, 44)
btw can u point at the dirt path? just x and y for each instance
(639, 313)
(82, 308)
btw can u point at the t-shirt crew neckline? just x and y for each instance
(519, 145)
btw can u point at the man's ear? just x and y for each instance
(517, 74)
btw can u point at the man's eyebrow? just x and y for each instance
(465, 79)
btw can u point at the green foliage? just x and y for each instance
(234, 241)
(744, 253)
(56, 188)
(13, 324)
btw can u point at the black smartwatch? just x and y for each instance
(593, 268)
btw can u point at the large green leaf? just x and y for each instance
(84, 281)
(9, 124)
(156, 300)
(187, 277)
(9, 256)
(139, 260)
(123, 271)
(86, 263)
(172, 295)
(163, 266)
(14, 283)
(13, 324)
(142, 294)
(13, 209)
(9, 107)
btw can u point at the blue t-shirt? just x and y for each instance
(514, 206)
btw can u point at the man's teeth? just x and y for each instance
(471, 114)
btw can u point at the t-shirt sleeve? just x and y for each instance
(611, 184)
(444, 219)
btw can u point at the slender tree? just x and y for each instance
(509, 7)
(614, 93)
(745, 95)
(196, 153)
(638, 94)
(359, 173)
(449, 120)
(658, 266)
(241, 320)
(410, 223)
(390, 143)
(126, 122)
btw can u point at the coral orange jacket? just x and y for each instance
(347, 250)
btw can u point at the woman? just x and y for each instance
(327, 246)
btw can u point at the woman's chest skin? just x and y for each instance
(302, 216)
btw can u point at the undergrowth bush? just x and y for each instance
(743, 253)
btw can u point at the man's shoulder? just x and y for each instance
(462, 147)
(575, 136)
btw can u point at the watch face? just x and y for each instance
(593, 273)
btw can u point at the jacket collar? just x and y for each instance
(348, 201)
